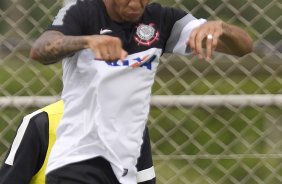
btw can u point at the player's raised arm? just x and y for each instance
(219, 36)
(52, 46)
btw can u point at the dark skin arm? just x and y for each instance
(226, 38)
(52, 46)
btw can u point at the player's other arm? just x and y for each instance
(219, 36)
(52, 46)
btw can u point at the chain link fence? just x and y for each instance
(215, 122)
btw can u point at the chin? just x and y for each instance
(133, 19)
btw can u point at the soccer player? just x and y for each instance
(26, 160)
(111, 50)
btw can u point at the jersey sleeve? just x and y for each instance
(70, 20)
(179, 28)
(27, 152)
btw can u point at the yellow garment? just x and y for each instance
(55, 112)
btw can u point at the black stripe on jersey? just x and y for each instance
(145, 160)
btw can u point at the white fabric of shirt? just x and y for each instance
(106, 110)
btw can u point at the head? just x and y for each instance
(125, 10)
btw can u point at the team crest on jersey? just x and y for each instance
(146, 34)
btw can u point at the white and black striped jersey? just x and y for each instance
(107, 103)
(27, 156)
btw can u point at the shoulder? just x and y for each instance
(80, 7)
(154, 8)
(85, 4)
(54, 108)
(33, 118)
(81, 2)
(54, 113)
(36, 123)
(158, 8)
(89, 9)
(40, 118)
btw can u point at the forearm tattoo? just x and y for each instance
(53, 46)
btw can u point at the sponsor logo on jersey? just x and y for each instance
(145, 61)
(146, 34)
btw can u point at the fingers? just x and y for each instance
(195, 42)
(107, 48)
(102, 53)
(198, 41)
(209, 46)
(206, 36)
(123, 54)
(199, 44)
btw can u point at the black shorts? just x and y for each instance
(93, 171)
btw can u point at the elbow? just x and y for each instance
(248, 45)
(244, 52)
(247, 49)
(33, 54)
